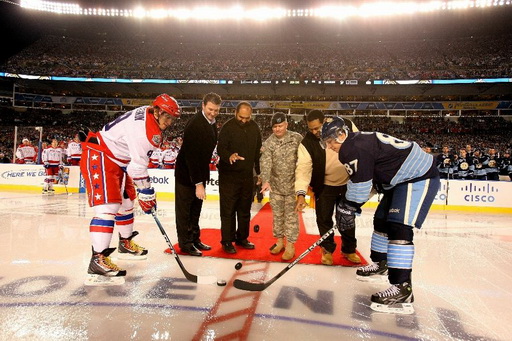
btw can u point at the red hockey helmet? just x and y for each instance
(167, 104)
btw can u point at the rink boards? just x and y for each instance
(463, 195)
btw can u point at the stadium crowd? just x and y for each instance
(485, 135)
(470, 57)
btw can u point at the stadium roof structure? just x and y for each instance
(281, 90)
(491, 17)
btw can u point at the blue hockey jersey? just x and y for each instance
(372, 157)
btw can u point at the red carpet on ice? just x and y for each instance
(264, 240)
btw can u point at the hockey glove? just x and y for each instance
(147, 199)
(345, 215)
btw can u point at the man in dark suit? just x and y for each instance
(191, 173)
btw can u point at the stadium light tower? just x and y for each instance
(236, 11)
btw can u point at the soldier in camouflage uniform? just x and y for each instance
(277, 163)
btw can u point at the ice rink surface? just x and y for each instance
(462, 282)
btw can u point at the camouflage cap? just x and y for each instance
(278, 117)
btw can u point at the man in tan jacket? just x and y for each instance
(320, 169)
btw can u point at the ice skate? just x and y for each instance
(397, 299)
(129, 250)
(374, 272)
(102, 272)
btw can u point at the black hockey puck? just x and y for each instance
(256, 228)
(238, 266)
(221, 282)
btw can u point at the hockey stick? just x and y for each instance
(188, 275)
(250, 286)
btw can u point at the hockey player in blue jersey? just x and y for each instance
(409, 180)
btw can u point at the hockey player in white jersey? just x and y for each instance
(155, 160)
(26, 153)
(114, 165)
(169, 156)
(52, 158)
(74, 151)
(409, 179)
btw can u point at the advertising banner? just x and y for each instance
(470, 105)
(15, 176)
(480, 193)
(452, 193)
(163, 181)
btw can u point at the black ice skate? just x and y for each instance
(102, 271)
(129, 250)
(374, 272)
(396, 299)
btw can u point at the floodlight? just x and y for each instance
(353, 9)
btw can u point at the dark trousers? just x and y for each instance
(187, 210)
(325, 203)
(493, 176)
(236, 196)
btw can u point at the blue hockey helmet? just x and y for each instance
(332, 128)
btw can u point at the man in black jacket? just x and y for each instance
(321, 170)
(191, 173)
(239, 151)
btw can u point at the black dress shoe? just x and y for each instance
(245, 244)
(228, 248)
(191, 250)
(201, 246)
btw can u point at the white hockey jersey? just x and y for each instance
(26, 153)
(52, 156)
(74, 150)
(130, 139)
(169, 157)
(155, 160)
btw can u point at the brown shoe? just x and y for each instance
(326, 257)
(352, 257)
(277, 247)
(289, 252)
